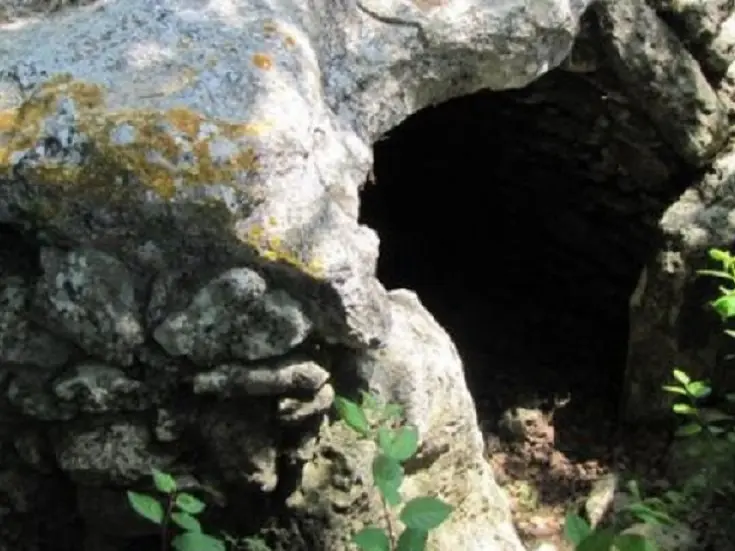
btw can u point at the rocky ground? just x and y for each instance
(548, 468)
(548, 453)
(550, 418)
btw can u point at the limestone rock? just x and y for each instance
(28, 391)
(420, 369)
(192, 170)
(663, 78)
(23, 343)
(100, 388)
(193, 155)
(521, 424)
(170, 425)
(244, 440)
(708, 26)
(601, 498)
(286, 377)
(669, 326)
(114, 453)
(89, 297)
(296, 410)
(236, 316)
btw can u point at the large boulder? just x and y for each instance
(195, 287)
(677, 57)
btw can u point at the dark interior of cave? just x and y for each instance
(522, 219)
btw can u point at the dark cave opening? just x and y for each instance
(522, 219)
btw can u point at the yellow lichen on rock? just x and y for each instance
(162, 150)
(274, 249)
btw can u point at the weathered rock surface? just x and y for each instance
(419, 368)
(662, 77)
(187, 175)
(189, 172)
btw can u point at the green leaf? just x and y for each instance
(384, 438)
(682, 377)
(400, 444)
(633, 542)
(712, 415)
(146, 506)
(719, 255)
(698, 389)
(412, 540)
(189, 504)
(164, 482)
(684, 409)
(714, 429)
(424, 513)
(197, 541)
(576, 528)
(368, 400)
(725, 306)
(633, 488)
(689, 429)
(715, 273)
(647, 514)
(730, 396)
(391, 495)
(729, 333)
(372, 538)
(388, 476)
(391, 412)
(353, 415)
(186, 522)
(675, 389)
(599, 540)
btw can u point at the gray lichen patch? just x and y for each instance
(236, 316)
(116, 453)
(89, 297)
(99, 388)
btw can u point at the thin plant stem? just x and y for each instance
(389, 524)
(164, 522)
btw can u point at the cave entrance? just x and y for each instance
(522, 219)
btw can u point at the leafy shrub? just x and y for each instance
(396, 442)
(639, 509)
(712, 432)
(177, 508)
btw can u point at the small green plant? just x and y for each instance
(709, 431)
(396, 443)
(724, 305)
(648, 510)
(699, 419)
(710, 421)
(176, 508)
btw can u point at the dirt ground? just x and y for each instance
(548, 465)
(564, 438)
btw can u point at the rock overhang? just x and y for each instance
(240, 132)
